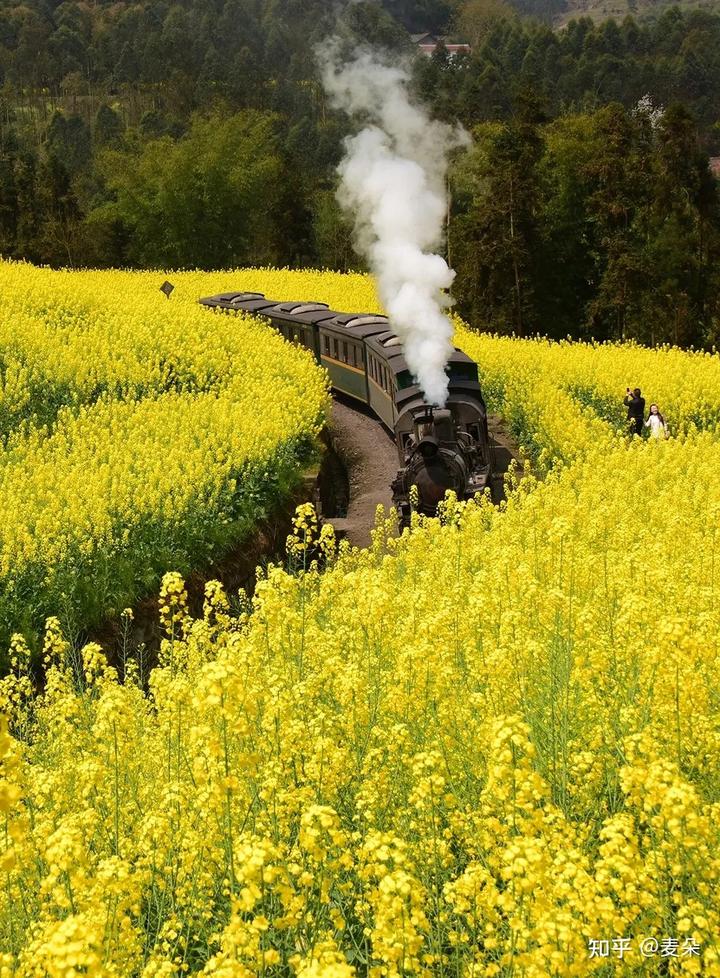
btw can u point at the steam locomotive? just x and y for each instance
(437, 449)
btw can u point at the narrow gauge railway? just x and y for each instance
(438, 449)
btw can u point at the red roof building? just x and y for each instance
(428, 44)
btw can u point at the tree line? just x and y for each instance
(190, 134)
(602, 225)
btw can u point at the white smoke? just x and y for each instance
(393, 182)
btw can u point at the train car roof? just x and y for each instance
(367, 326)
(358, 328)
(233, 296)
(243, 301)
(354, 319)
(300, 307)
(299, 312)
(388, 347)
(255, 302)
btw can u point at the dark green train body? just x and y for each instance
(437, 449)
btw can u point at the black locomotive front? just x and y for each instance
(443, 450)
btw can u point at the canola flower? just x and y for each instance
(138, 435)
(469, 751)
(584, 380)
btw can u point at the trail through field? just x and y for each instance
(505, 448)
(370, 457)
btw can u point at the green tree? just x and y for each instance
(620, 185)
(211, 199)
(568, 260)
(682, 231)
(333, 234)
(495, 234)
(68, 142)
(108, 127)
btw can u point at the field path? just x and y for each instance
(371, 460)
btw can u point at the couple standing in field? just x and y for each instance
(635, 403)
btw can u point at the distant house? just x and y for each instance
(715, 166)
(428, 44)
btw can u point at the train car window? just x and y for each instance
(405, 379)
(462, 371)
(326, 343)
(345, 357)
(372, 367)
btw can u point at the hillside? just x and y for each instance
(600, 10)
(199, 135)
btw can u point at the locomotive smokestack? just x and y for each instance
(444, 427)
(393, 182)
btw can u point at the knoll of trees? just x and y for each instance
(603, 224)
(197, 134)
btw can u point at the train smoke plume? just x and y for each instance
(393, 182)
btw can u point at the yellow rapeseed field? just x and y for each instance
(488, 748)
(137, 434)
(521, 377)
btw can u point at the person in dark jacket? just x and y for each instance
(635, 403)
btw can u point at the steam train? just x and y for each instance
(437, 449)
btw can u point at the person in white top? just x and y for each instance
(656, 423)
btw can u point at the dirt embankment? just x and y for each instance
(370, 458)
(504, 446)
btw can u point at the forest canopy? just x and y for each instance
(194, 134)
